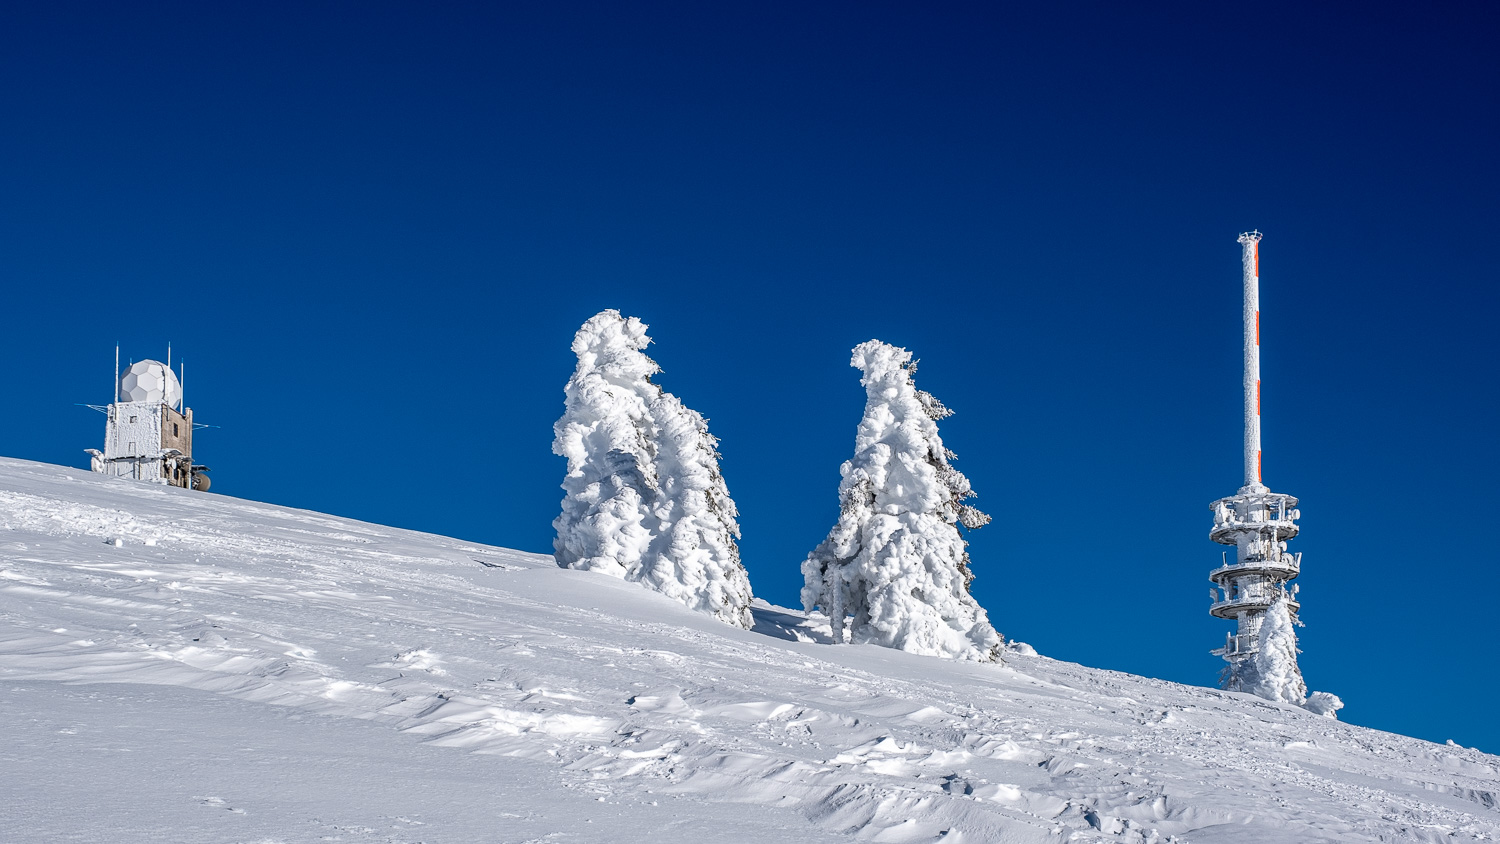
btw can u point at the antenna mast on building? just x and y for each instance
(1256, 521)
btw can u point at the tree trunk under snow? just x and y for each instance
(896, 561)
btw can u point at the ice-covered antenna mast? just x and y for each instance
(1256, 521)
(1250, 257)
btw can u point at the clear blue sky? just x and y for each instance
(371, 230)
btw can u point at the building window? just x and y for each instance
(132, 420)
(174, 429)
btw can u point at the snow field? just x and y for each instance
(342, 681)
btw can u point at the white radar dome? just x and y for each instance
(150, 380)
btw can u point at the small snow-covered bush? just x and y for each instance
(896, 560)
(644, 499)
(1323, 703)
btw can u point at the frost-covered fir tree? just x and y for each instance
(896, 560)
(644, 499)
(694, 556)
(1276, 675)
(606, 434)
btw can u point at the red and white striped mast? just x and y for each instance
(1250, 256)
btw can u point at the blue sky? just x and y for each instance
(371, 230)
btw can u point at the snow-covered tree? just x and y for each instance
(694, 556)
(644, 497)
(896, 560)
(1275, 675)
(606, 434)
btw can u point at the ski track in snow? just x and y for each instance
(607, 691)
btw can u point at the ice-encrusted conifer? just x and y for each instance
(606, 434)
(694, 556)
(896, 560)
(644, 500)
(1276, 675)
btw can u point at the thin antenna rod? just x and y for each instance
(117, 373)
(169, 355)
(182, 385)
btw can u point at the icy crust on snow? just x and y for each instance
(896, 561)
(472, 693)
(645, 500)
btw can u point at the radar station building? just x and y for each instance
(148, 432)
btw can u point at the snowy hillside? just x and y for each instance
(179, 666)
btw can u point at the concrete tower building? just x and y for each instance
(1256, 521)
(148, 433)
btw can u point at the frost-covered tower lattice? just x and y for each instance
(1255, 520)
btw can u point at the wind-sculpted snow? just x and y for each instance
(160, 652)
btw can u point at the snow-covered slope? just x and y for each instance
(178, 666)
